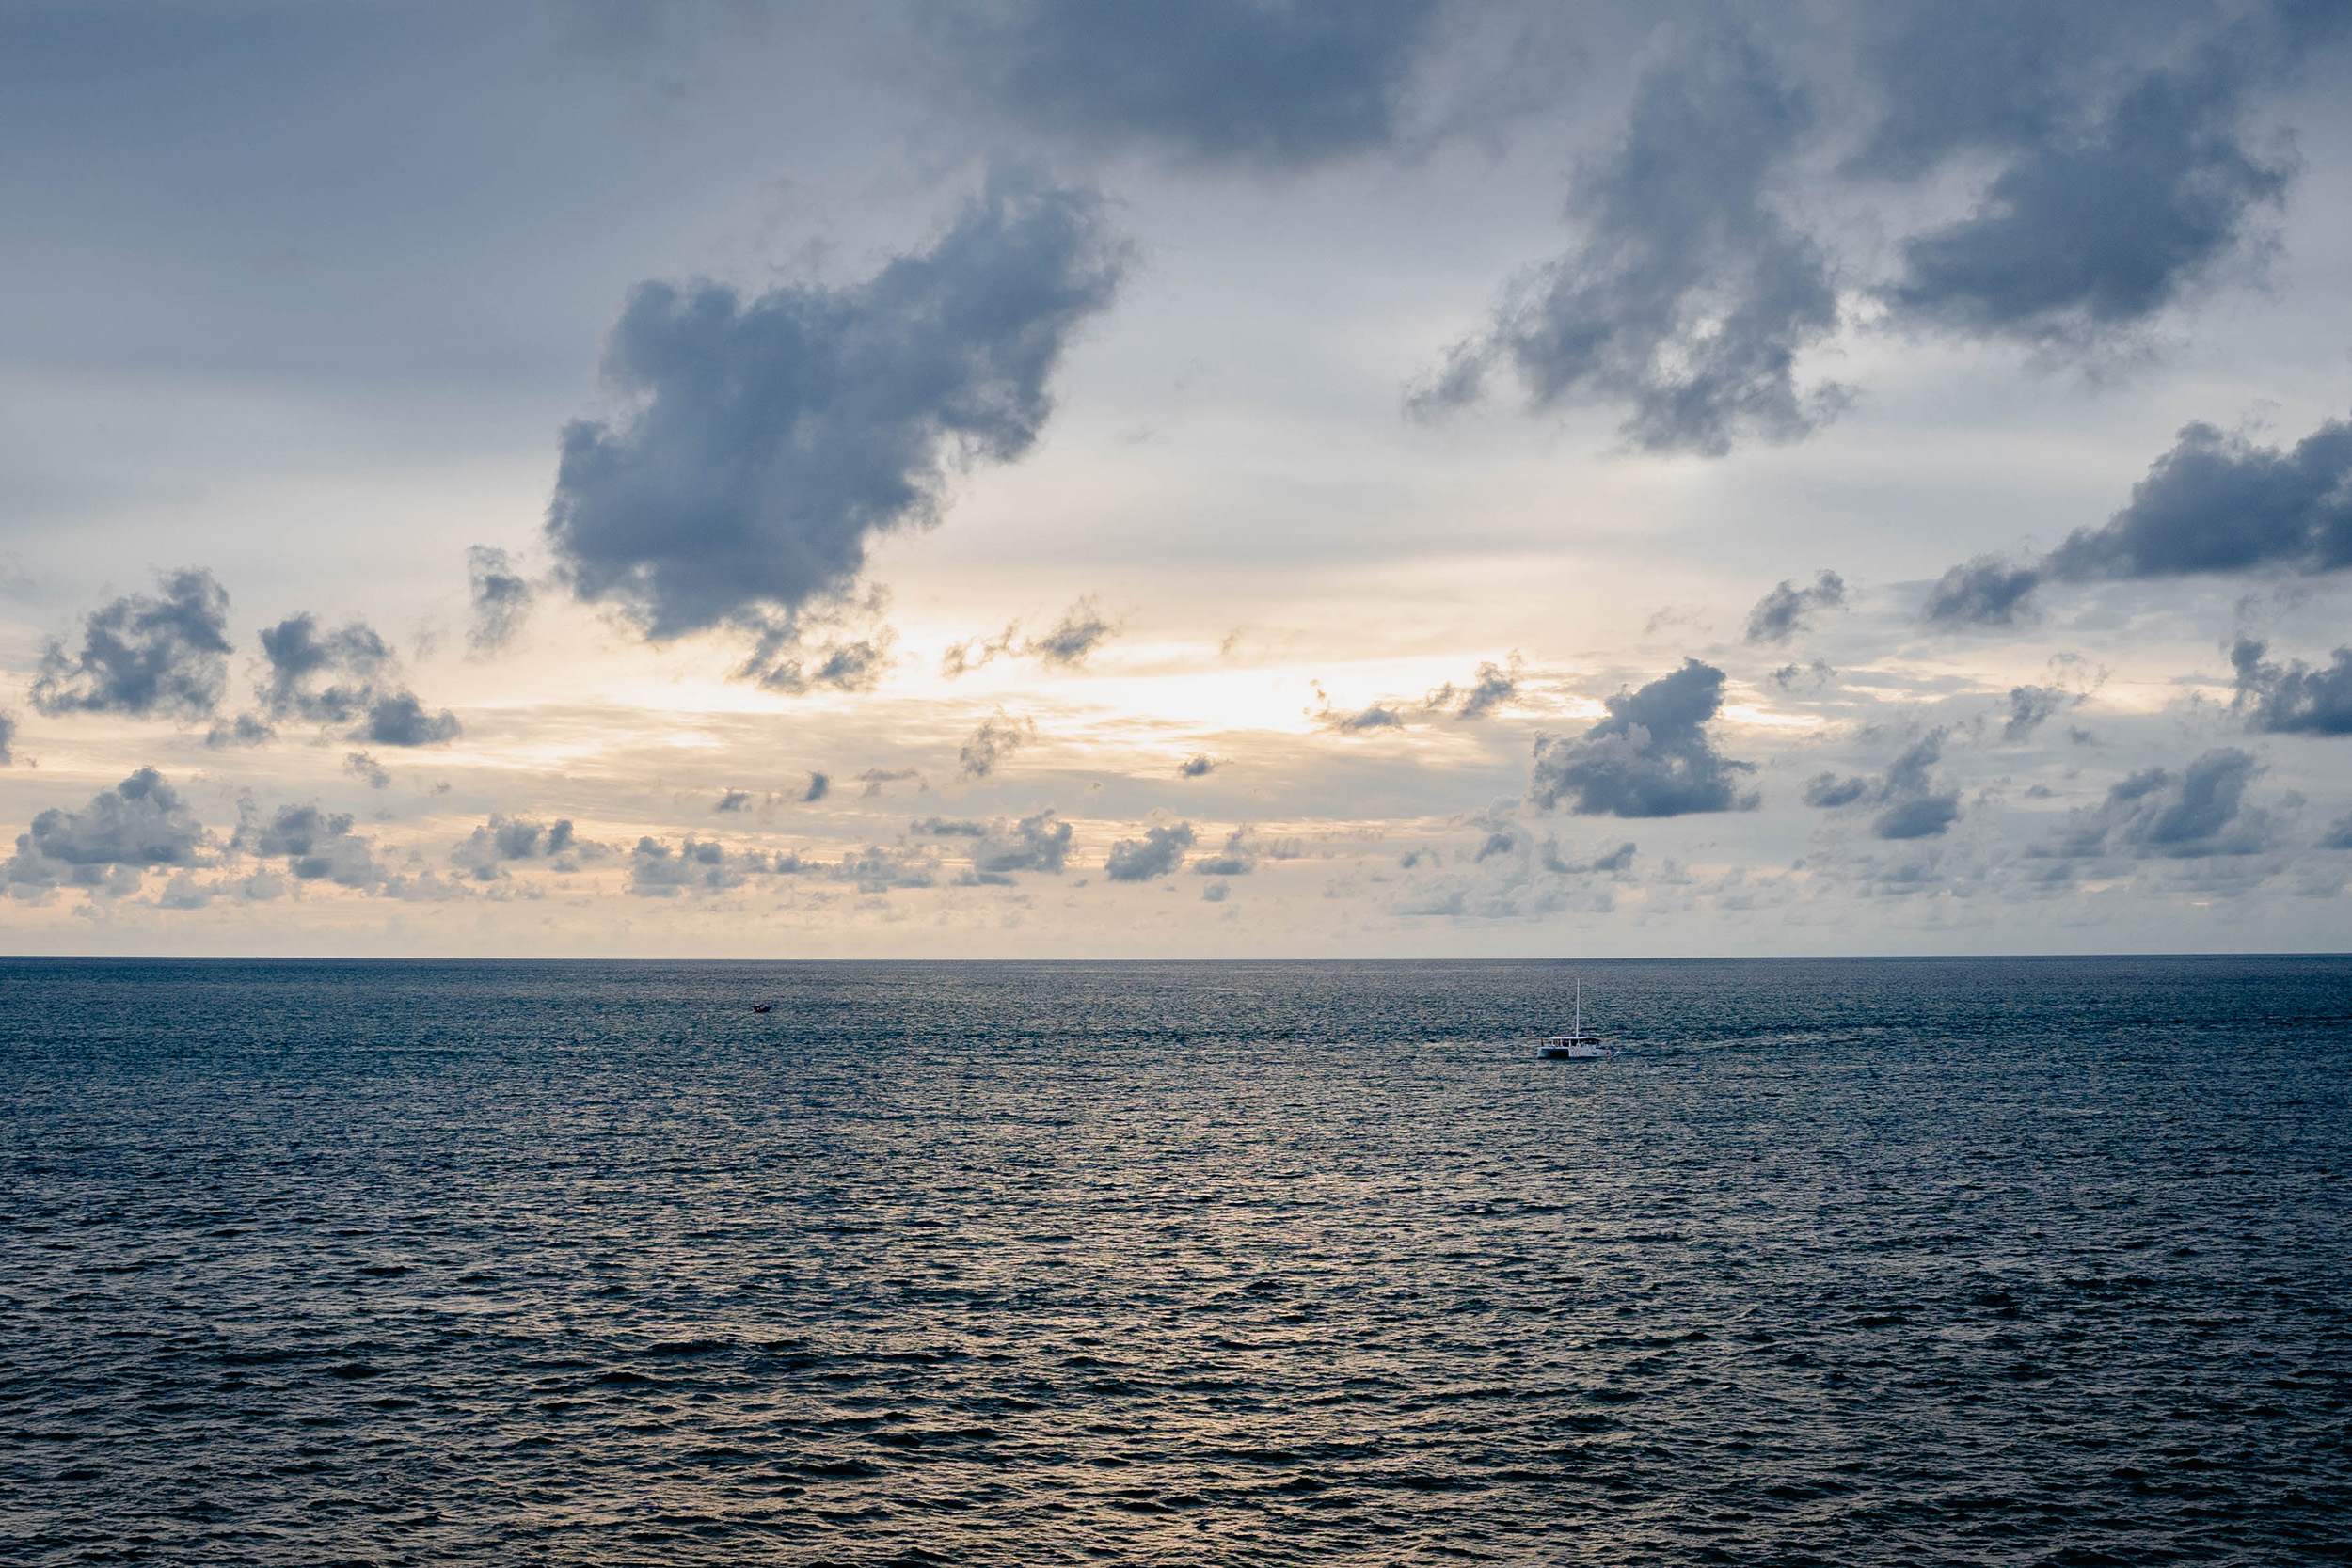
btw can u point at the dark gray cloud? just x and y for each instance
(1373, 718)
(820, 785)
(1829, 792)
(2101, 223)
(2029, 707)
(2213, 503)
(772, 437)
(2339, 834)
(1494, 688)
(1984, 591)
(1819, 672)
(948, 827)
(781, 661)
(657, 871)
(1787, 609)
(504, 839)
(501, 599)
(734, 799)
(1691, 296)
(1239, 857)
(1652, 757)
(1914, 808)
(1068, 642)
(1911, 805)
(1199, 765)
(874, 777)
(1968, 75)
(1160, 851)
(401, 719)
(348, 676)
(317, 845)
(7, 738)
(2120, 171)
(164, 654)
(2219, 503)
(2294, 698)
(991, 744)
(109, 845)
(1229, 81)
(1039, 842)
(2197, 812)
(361, 766)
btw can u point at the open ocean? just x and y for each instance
(1854, 1261)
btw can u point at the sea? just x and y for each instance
(1915, 1261)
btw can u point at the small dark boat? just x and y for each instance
(763, 1006)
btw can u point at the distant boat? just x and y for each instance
(1576, 1045)
(763, 1006)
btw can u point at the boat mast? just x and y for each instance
(1580, 1006)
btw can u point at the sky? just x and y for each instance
(1246, 478)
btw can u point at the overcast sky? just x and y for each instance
(1234, 478)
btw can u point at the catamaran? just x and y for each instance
(1576, 1045)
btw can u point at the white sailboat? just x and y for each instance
(1576, 1045)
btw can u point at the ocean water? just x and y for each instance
(1994, 1261)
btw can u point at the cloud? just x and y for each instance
(7, 738)
(1199, 765)
(1039, 842)
(780, 660)
(1788, 608)
(1160, 851)
(1495, 688)
(975, 653)
(1829, 792)
(874, 777)
(1516, 874)
(1915, 807)
(773, 436)
(1650, 757)
(399, 719)
(1066, 644)
(2197, 812)
(991, 744)
(2293, 698)
(317, 845)
(501, 599)
(1984, 591)
(1223, 81)
(820, 785)
(2029, 707)
(109, 845)
(1239, 857)
(2213, 503)
(1912, 805)
(1690, 297)
(361, 766)
(2097, 227)
(342, 676)
(657, 871)
(2219, 503)
(2339, 834)
(248, 730)
(145, 656)
(948, 827)
(504, 839)
(1365, 721)
(1081, 630)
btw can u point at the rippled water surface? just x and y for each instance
(1842, 1262)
